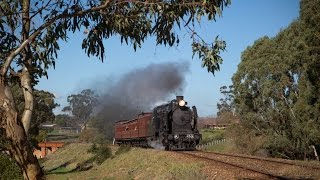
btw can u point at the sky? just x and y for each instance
(240, 25)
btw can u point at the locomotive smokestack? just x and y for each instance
(179, 98)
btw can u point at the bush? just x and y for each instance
(9, 169)
(93, 148)
(247, 141)
(209, 135)
(101, 153)
(87, 135)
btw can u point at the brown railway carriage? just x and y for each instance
(136, 129)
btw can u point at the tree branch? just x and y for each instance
(6, 65)
(32, 37)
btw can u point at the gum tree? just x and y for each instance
(82, 105)
(30, 32)
(277, 87)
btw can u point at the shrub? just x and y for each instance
(9, 169)
(209, 135)
(87, 135)
(93, 148)
(101, 153)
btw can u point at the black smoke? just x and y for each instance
(139, 91)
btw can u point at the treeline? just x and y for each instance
(277, 89)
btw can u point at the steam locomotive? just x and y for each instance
(171, 126)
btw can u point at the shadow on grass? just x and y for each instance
(62, 169)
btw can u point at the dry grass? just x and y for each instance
(226, 147)
(66, 157)
(136, 164)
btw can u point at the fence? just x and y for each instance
(214, 142)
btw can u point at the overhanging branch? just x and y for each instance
(32, 37)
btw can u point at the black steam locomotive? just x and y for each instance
(172, 126)
(175, 125)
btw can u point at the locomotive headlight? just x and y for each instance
(182, 103)
(176, 136)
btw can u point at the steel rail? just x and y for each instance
(266, 173)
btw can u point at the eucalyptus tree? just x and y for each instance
(82, 105)
(226, 103)
(277, 86)
(43, 108)
(31, 31)
(226, 107)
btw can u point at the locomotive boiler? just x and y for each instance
(172, 126)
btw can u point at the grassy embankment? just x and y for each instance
(136, 163)
(209, 135)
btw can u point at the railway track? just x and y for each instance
(282, 161)
(273, 169)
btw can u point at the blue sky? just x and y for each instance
(240, 25)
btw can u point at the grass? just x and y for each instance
(226, 147)
(133, 163)
(59, 170)
(68, 157)
(209, 135)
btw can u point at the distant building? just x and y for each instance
(211, 123)
(67, 130)
(48, 126)
(61, 129)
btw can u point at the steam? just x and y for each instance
(156, 145)
(140, 90)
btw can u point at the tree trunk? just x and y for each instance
(17, 142)
(28, 99)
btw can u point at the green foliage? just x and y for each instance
(122, 149)
(41, 136)
(226, 147)
(277, 87)
(209, 135)
(246, 141)
(43, 110)
(226, 107)
(209, 53)
(101, 153)
(43, 105)
(82, 105)
(9, 169)
(132, 21)
(64, 120)
(93, 148)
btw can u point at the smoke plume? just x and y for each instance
(139, 90)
